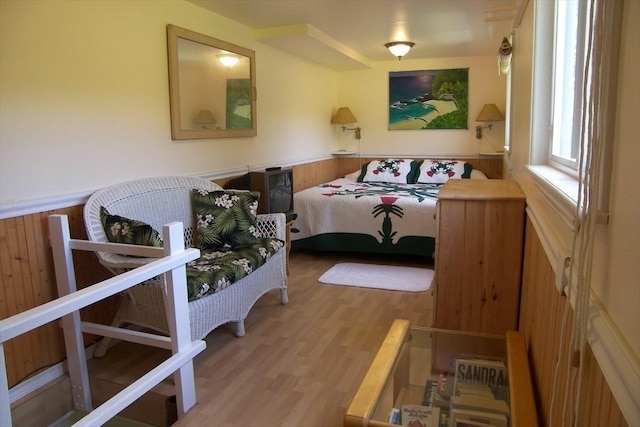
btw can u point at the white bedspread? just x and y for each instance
(386, 211)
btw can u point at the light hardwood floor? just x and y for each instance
(300, 364)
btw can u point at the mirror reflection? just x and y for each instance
(212, 87)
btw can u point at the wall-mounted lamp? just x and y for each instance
(489, 113)
(228, 60)
(205, 119)
(344, 116)
(504, 56)
(399, 49)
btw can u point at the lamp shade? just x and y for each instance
(343, 116)
(204, 117)
(490, 113)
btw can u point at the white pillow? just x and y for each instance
(399, 171)
(440, 171)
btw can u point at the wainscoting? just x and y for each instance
(541, 313)
(28, 280)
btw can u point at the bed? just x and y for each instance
(386, 207)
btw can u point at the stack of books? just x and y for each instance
(479, 394)
(474, 394)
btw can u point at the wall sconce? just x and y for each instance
(489, 113)
(399, 49)
(228, 60)
(345, 116)
(504, 56)
(205, 119)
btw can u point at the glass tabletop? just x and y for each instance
(418, 368)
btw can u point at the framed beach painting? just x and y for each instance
(429, 99)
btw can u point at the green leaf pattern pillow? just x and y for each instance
(225, 218)
(129, 231)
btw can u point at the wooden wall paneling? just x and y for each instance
(28, 280)
(309, 174)
(350, 164)
(541, 316)
(492, 167)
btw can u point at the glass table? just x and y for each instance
(410, 357)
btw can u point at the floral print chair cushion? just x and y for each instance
(226, 218)
(217, 269)
(130, 231)
(230, 244)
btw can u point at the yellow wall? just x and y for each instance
(367, 94)
(85, 101)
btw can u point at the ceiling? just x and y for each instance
(350, 34)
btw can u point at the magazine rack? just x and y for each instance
(410, 356)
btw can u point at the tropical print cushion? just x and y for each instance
(225, 218)
(399, 171)
(216, 270)
(130, 231)
(440, 171)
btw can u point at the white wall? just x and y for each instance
(619, 289)
(366, 92)
(84, 99)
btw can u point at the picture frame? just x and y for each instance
(429, 99)
(210, 97)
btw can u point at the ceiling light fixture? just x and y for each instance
(399, 49)
(228, 60)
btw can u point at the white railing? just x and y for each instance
(171, 262)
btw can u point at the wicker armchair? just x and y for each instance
(158, 201)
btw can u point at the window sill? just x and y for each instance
(558, 188)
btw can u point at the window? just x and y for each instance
(568, 60)
(573, 106)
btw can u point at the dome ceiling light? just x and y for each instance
(399, 49)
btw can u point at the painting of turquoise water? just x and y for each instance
(429, 99)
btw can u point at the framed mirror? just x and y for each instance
(212, 87)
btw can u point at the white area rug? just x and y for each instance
(409, 279)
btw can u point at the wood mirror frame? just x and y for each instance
(209, 99)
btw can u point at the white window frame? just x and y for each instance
(568, 70)
(558, 181)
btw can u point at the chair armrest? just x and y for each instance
(272, 225)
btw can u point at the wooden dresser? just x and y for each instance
(478, 255)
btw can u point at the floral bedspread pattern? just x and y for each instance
(387, 211)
